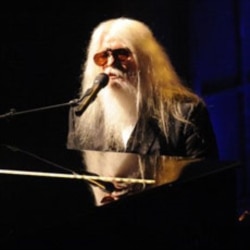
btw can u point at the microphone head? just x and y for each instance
(102, 80)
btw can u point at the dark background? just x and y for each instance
(42, 49)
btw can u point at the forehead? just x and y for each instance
(112, 43)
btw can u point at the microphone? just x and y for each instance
(100, 82)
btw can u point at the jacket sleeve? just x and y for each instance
(199, 137)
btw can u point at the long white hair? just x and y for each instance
(159, 90)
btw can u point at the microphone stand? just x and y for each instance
(13, 112)
(100, 82)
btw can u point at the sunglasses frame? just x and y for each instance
(120, 54)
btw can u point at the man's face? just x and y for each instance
(117, 62)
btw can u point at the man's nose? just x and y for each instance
(110, 60)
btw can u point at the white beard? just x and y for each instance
(120, 112)
(109, 121)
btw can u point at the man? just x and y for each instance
(144, 109)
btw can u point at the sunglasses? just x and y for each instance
(122, 55)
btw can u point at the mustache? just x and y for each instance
(119, 73)
(115, 72)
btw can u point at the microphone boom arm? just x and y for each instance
(13, 112)
(100, 82)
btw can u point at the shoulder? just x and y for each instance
(192, 108)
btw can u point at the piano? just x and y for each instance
(191, 204)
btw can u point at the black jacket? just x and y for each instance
(195, 139)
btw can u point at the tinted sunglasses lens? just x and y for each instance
(121, 54)
(101, 58)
